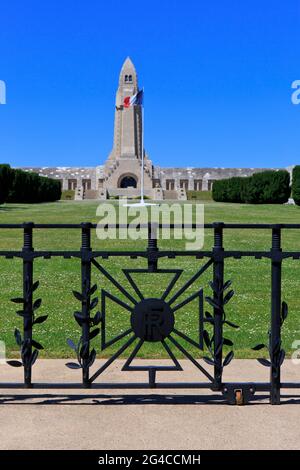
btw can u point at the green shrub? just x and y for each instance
(267, 187)
(228, 190)
(49, 190)
(219, 191)
(6, 174)
(68, 195)
(28, 187)
(18, 190)
(198, 195)
(234, 188)
(296, 185)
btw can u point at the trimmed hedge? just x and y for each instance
(267, 187)
(296, 185)
(28, 187)
(6, 176)
(228, 190)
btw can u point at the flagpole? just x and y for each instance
(142, 168)
(142, 202)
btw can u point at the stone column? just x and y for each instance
(205, 184)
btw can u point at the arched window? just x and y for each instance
(130, 78)
(126, 78)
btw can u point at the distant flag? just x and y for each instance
(135, 100)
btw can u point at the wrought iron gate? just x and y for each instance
(153, 319)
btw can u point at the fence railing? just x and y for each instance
(153, 319)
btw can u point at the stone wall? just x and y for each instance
(167, 179)
(198, 178)
(70, 177)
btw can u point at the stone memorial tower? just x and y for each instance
(120, 175)
(122, 169)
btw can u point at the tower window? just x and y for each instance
(130, 78)
(126, 78)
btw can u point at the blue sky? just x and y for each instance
(217, 78)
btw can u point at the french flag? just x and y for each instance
(135, 100)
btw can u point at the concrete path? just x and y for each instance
(135, 419)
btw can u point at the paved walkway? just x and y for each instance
(120, 419)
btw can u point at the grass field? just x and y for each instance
(249, 308)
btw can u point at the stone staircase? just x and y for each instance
(91, 194)
(175, 194)
(170, 194)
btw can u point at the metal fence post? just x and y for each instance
(27, 296)
(152, 248)
(85, 304)
(218, 280)
(275, 333)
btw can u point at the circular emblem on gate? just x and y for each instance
(152, 320)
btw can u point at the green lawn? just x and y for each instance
(250, 307)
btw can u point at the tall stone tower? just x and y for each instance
(128, 121)
(123, 166)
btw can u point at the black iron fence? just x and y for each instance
(153, 319)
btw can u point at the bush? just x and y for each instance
(27, 187)
(68, 195)
(267, 187)
(49, 190)
(6, 174)
(198, 195)
(235, 187)
(219, 191)
(296, 185)
(228, 190)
